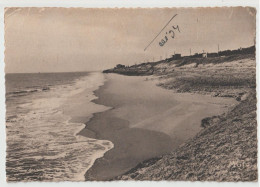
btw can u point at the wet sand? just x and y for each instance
(145, 121)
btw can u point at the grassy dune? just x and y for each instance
(228, 78)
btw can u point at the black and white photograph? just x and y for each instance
(130, 94)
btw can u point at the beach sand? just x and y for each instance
(145, 121)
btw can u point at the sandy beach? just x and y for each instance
(145, 121)
(130, 94)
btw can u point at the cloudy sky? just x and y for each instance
(78, 39)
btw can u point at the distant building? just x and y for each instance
(204, 55)
(176, 56)
(212, 54)
(196, 55)
(120, 66)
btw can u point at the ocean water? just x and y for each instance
(44, 113)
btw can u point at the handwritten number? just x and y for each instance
(177, 27)
(173, 34)
(162, 42)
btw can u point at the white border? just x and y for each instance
(111, 4)
(127, 3)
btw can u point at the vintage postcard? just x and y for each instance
(108, 94)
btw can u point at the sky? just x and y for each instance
(82, 39)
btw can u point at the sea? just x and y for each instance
(44, 114)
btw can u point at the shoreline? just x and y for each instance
(80, 117)
(122, 126)
(137, 138)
